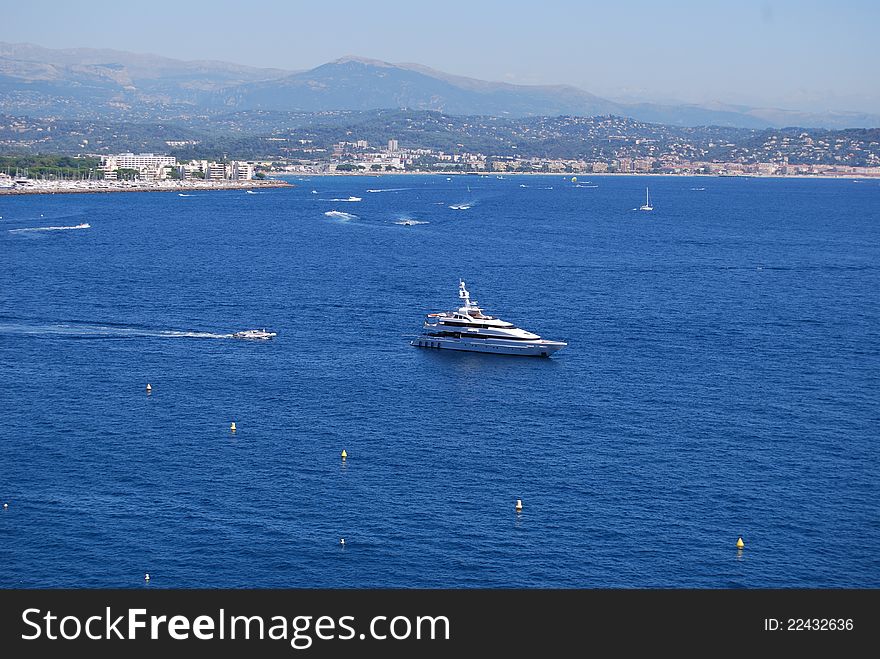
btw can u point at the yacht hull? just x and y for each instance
(493, 346)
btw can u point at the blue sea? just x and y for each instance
(721, 380)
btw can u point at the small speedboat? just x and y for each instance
(254, 334)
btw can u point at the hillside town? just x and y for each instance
(360, 157)
(420, 142)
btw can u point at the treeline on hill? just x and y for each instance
(48, 166)
(258, 135)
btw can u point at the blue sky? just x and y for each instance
(809, 55)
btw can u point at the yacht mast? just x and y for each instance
(464, 295)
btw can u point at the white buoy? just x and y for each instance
(232, 426)
(5, 506)
(342, 541)
(149, 388)
(147, 576)
(519, 505)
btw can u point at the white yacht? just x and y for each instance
(254, 334)
(471, 330)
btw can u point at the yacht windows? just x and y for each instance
(480, 325)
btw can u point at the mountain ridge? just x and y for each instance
(91, 83)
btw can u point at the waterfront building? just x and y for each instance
(148, 165)
(239, 170)
(215, 171)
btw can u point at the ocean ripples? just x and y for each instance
(718, 381)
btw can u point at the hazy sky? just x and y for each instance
(805, 54)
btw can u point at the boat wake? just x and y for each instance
(339, 215)
(78, 226)
(586, 186)
(462, 207)
(408, 222)
(97, 331)
(346, 199)
(387, 190)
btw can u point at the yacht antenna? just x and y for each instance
(463, 294)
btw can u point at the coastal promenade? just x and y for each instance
(168, 185)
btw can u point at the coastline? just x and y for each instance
(579, 175)
(101, 187)
(93, 187)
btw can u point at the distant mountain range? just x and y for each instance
(87, 83)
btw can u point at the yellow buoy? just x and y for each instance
(574, 179)
(149, 388)
(739, 543)
(344, 454)
(519, 505)
(232, 426)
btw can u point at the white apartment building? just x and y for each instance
(238, 170)
(149, 165)
(215, 171)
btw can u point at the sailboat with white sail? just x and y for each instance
(647, 205)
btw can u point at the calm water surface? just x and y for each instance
(721, 379)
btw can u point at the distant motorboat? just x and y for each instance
(647, 205)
